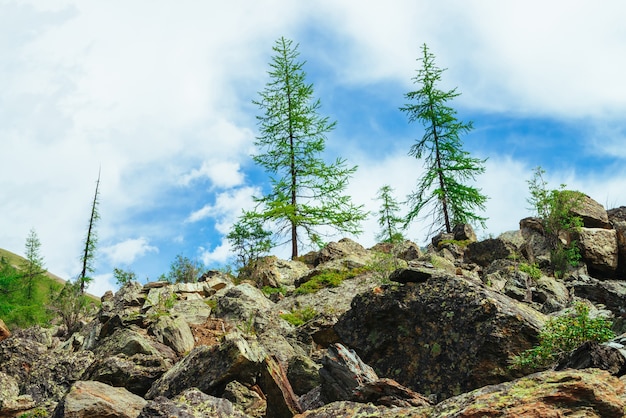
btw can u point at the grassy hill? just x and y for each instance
(17, 310)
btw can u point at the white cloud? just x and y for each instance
(223, 174)
(221, 254)
(101, 283)
(126, 252)
(227, 207)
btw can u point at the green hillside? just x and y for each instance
(17, 310)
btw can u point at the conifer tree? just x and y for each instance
(33, 267)
(388, 218)
(448, 166)
(306, 192)
(91, 240)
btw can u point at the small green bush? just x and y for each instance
(531, 269)
(299, 317)
(562, 335)
(269, 290)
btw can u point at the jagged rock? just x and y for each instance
(41, 373)
(4, 331)
(194, 312)
(591, 354)
(126, 302)
(136, 373)
(303, 373)
(580, 393)
(340, 250)
(617, 218)
(243, 302)
(11, 402)
(281, 400)
(486, 252)
(90, 399)
(211, 368)
(406, 250)
(464, 232)
(416, 272)
(274, 272)
(190, 404)
(599, 250)
(610, 293)
(342, 372)
(131, 341)
(173, 332)
(248, 400)
(591, 212)
(350, 409)
(413, 334)
(536, 247)
(388, 392)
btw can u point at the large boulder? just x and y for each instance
(173, 332)
(444, 336)
(599, 250)
(274, 272)
(567, 393)
(88, 399)
(210, 369)
(345, 249)
(536, 247)
(486, 252)
(191, 403)
(617, 218)
(591, 212)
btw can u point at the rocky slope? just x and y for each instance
(415, 335)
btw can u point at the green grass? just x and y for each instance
(16, 309)
(299, 317)
(328, 278)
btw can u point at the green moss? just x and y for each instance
(531, 269)
(270, 290)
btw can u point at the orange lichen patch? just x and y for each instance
(211, 332)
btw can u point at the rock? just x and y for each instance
(591, 212)
(610, 293)
(4, 331)
(90, 399)
(248, 400)
(536, 248)
(388, 392)
(415, 273)
(598, 356)
(173, 332)
(414, 334)
(281, 400)
(136, 373)
(303, 373)
(210, 369)
(350, 409)
(342, 372)
(191, 403)
(617, 218)
(338, 250)
(486, 252)
(580, 393)
(243, 302)
(464, 232)
(12, 404)
(274, 272)
(131, 341)
(599, 250)
(194, 312)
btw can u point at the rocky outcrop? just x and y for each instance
(617, 218)
(189, 404)
(588, 393)
(486, 252)
(590, 212)
(609, 357)
(413, 333)
(599, 250)
(95, 399)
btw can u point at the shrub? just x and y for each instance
(562, 335)
(299, 317)
(531, 269)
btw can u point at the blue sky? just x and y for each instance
(159, 95)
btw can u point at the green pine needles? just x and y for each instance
(444, 187)
(306, 192)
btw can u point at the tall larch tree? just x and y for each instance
(33, 266)
(390, 222)
(448, 168)
(88, 254)
(306, 192)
